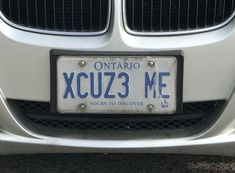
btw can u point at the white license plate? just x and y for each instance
(117, 84)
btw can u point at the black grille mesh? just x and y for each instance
(38, 113)
(119, 125)
(58, 15)
(176, 15)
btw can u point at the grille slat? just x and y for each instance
(63, 15)
(157, 16)
(45, 14)
(232, 6)
(18, 10)
(214, 17)
(197, 11)
(90, 14)
(206, 6)
(170, 14)
(36, 13)
(9, 8)
(100, 21)
(179, 7)
(58, 16)
(160, 20)
(27, 11)
(54, 15)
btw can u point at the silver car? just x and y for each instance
(151, 76)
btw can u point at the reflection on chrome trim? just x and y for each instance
(54, 32)
(169, 33)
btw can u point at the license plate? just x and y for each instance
(116, 84)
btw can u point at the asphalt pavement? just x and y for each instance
(114, 163)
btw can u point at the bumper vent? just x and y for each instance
(38, 115)
(58, 16)
(175, 16)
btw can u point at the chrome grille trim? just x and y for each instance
(172, 33)
(54, 32)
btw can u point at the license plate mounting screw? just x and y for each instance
(151, 63)
(150, 107)
(82, 107)
(82, 63)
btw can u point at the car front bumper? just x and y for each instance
(209, 74)
(217, 140)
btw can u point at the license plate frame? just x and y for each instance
(55, 54)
